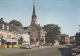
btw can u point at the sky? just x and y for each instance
(64, 13)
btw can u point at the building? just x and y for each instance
(21, 33)
(64, 39)
(35, 29)
(8, 36)
(72, 40)
(77, 38)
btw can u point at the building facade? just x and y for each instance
(22, 33)
(35, 29)
(64, 39)
(7, 37)
(10, 34)
(77, 37)
(72, 40)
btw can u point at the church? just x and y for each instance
(35, 29)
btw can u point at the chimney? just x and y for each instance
(2, 19)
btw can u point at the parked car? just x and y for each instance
(76, 50)
(71, 47)
(27, 46)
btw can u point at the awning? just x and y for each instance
(8, 40)
(2, 41)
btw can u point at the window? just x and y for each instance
(3, 26)
(7, 27)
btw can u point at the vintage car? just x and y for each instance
(27, 46)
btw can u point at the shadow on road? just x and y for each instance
(65, 51)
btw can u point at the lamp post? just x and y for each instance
(79, 28)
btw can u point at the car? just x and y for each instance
(27, 46)
(76, 50)
(71, 47)
(73, 50)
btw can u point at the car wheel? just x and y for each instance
(30, 48)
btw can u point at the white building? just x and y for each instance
(26, 38)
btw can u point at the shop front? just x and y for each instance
(8, 43)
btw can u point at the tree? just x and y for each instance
(17, 23)
(53, 33)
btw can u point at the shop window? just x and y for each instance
(14, 43)
(8, 43)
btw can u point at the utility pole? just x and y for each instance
(79, 28)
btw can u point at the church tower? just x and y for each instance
(35, 29)
(34, 17)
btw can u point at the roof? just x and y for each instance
(12, 27)
(25, 28)
(21, 30)
(6, 24)
(18, 29)
(2, 22)
(72, 37)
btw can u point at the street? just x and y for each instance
(41, 51)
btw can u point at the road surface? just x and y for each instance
(41, 51)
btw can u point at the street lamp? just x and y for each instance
(79, 28)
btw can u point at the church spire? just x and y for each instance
(34, 13)
(34, 17)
